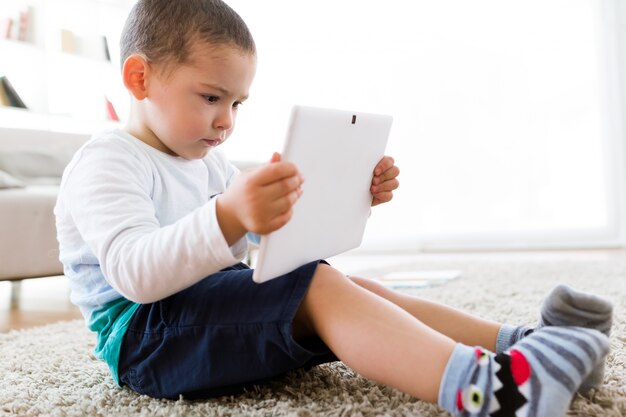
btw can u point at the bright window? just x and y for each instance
(505, 112)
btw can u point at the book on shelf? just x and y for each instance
(12, 97)
(6, 27)
(85, 45)
(107, 53)
(4, 100)
(17, 26)
(68, 42)
(23, 32)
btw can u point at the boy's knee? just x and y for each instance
(327, 282)
(326, 277)
(324, 282)
(374, 287)
(368, 284)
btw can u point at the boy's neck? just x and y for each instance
(139, 130)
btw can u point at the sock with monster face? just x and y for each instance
(536, 377)
(565, 306)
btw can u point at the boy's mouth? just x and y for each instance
(212, 142)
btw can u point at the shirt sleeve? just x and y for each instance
(140, 259)
(253, 239)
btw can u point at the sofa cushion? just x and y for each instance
(37, 157)
(36, 162)
(9, 181)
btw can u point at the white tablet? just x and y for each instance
(336, 151)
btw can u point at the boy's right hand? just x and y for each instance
(259, 201)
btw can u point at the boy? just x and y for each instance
(152, 221)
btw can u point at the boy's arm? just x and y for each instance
(108, 196)
(231, 227)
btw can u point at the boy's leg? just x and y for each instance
(456, 324)
(384, 342)
(564, 306)
(372, 335)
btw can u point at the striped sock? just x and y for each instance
(565, 306)
(536, 377)
(509, 335)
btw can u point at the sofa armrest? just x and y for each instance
(28, 245)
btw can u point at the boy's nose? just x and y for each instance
(224, 120)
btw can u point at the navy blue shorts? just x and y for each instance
(221, 335)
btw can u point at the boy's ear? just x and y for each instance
(135, 73)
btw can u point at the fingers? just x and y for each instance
(279, 197)
(275, 157)
(383, 197)
(274, 171)
(389, 185)
(283, 186)
(384, 181)
(262, 200)
(385, 163)
(277, 212)
(285, 203)
(391, 173)
(278, 221)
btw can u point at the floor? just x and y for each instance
(42, 301)
(46, 300)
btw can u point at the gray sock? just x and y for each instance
(565, 306)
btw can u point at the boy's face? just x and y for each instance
(193, 109)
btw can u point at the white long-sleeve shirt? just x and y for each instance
(137, 223)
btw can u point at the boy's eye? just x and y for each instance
(236, 104)
(211, 99)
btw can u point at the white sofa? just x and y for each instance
(31, 165)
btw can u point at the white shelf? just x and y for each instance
(27, 119)
(56, 86)
(11, 46)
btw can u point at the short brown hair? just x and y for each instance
(163, 31)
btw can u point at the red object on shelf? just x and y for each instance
(22, 34)
(111, 113)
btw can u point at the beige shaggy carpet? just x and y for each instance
(50, 370)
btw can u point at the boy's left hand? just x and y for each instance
(384, 181)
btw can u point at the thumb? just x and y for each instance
(275, 157)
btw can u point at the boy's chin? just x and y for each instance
(201, 154)
(194, 154)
